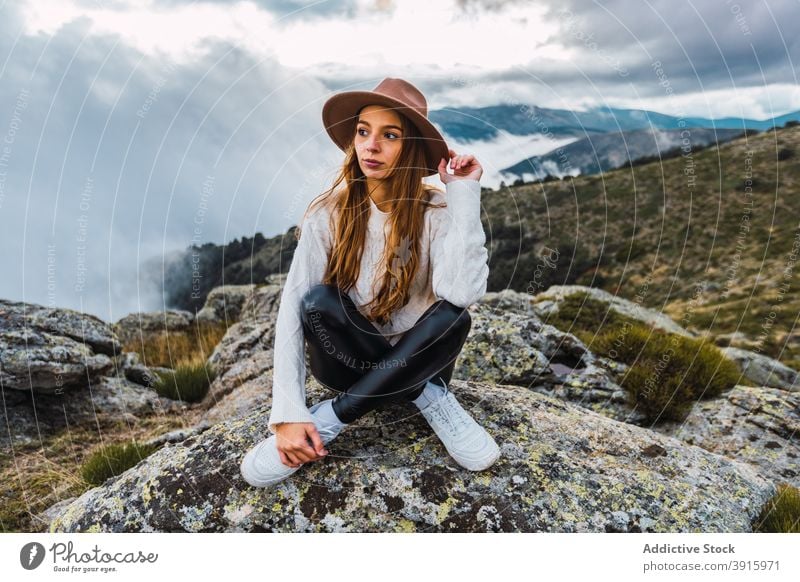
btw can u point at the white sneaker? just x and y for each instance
(262, 465)
(467, 442)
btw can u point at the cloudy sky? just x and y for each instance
(131, 128)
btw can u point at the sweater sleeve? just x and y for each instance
(289, 368)
(459, 268)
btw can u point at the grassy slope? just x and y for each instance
(643, 231)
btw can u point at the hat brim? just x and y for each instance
(340, 112)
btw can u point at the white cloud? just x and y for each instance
(178, 32)
(430, 33)
(762, 102)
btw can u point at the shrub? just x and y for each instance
(113, 460)
(660, 398)
(781, 514)
(189, 381)
(668, 372)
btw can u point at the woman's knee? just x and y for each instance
(454, 319)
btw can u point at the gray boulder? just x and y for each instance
(763, 370)
(44, 363)
(563, 469)
(81, 327)
(547, 302)
(224, 304)
(508, 347)
(106, 400)
(754, 425)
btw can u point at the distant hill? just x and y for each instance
(607, 151)
(707, 237)
(657, 231)
(191, 274)
(485, 123)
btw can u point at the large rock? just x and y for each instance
(55, 373)
(245, 352)
(248, 396)
(46, 351)
(755, 425)
(224, 304)
(763, 370)
(81, 327)
(44, 363)
(507, 347)
(510, 300)
(263, 303)
(563, 469)
(107, 399)
(547, 303)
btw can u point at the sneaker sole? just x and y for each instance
(482, 463)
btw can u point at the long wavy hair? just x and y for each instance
(351, 209)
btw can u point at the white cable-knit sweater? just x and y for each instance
(453, 266)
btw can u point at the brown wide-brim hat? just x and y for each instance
(340, 113)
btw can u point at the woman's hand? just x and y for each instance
(293, 446)
(465, 167)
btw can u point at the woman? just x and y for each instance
(378, 287)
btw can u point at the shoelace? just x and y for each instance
(449, 413)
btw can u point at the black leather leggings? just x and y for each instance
(349, 355)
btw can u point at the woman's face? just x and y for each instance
(378, 137)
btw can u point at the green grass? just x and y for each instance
(676, 237)
(781, 514)
(169, 348)
(45, 472)
(188, 382)
(113, 460)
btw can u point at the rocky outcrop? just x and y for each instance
(38, 361)
(511, 348)
(59, 367)
(504, 346)
(763, 370)
(49, 350)
(224, 304)
(563, 469)
(547, 303)
(756, 425)
(575, 456)
(55, 372)
(245, 353)
(81, 327)
(106, 400)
